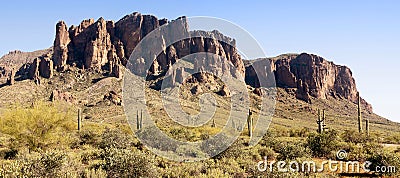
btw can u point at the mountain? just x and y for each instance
(86, 62)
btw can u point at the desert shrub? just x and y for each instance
(190, 169)
(180, 133)
(114, 138)
(149, 136)
(88, 137)
(280, 131)
(324, 144)
(371, 148)
(85, 137)
(358, 152)
(303, 132)
(291, 151)
(268, 152)
(127, 163)
(392, 139)
(269, 140)
(38, 127)
(95, 173)
(234, 151)
(47, 164)
(352, 136)
(90, 154)
(190, 152)
(385, 159)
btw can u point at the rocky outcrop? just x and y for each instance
(41, 66)
(90, 44)
(302, 91)
(11, 78)
(58, 95)
(60, 55)
(196, 90)
(258, 91)
(113, 97)
(312, 76)
(224, 91)
(46, 67)
(96, 44)
(18, 61)
(34, 69)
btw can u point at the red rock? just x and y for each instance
(60, 47)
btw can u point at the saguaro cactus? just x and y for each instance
(250, 123)
(367, 126)
(213, 123)
(139, 121)
(359, 113)
(321, 121)
(233, 124)
(79, 119)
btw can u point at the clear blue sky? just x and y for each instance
(364, 34)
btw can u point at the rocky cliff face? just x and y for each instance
(18, 61)
(105, 44)
(313, 76)
(101, 44)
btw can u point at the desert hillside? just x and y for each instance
(83, 72)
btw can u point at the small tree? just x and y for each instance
(37, 127)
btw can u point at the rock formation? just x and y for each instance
(41, 66)
(58, 95)
(224, 91)
(113, 97)
(11, 78)
(196, 90)
(60, 55)
(93, 45)
(312, 76)
(101, 44)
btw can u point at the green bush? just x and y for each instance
(291, 151)
(38, 127)
(322, 145)
(351, 136)
(47, 164)
(115, 139)
(385, 159)
(268, 152)
(127, 163)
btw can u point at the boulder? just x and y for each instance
(224, 91)
(58, 95)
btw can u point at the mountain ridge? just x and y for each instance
(105, 46)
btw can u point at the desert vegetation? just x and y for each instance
(42, 140)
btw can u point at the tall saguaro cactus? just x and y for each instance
(213, 124)
(79, 119)
(321, 121)
(139, 121)
(367, 126)
(250, 123)
(359, 113)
